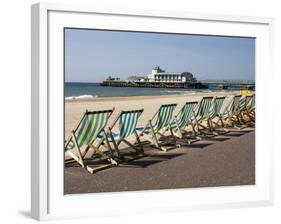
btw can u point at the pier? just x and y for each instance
(225, 84)
(193, 85)
(158, 78)
(155, 84)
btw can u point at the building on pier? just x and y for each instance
(159, 75)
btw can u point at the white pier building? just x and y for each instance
(159, 75)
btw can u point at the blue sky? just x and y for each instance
(92, 55)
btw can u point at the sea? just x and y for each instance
(75, 90)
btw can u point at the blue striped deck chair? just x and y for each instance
(202, 112)
(127, 123)
(183, 119)
(90, 134)
(226, 117)
(159, 125)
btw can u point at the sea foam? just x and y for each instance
(80, 97)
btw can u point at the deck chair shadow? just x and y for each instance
(157, 127)
(182, 120)
(126, 123)
(90, 134)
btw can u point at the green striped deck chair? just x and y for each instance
(230, 111)
(214, 112)
(90, 134)
(241, 109)
(251, 103)
(250, 107)
(248, 101)
(127, 123)
(159, 125)
(184, 119)
(243, 103)
(204, 107)
(237, 117)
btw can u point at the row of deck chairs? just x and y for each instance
(94, 140)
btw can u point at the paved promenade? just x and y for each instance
(225, 160)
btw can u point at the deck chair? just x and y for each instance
(202, 112)
(159, 125)
(213, 113)
(241, 110)
(249, 111)
(90, 133)
(237, 115)
(226, 117)
(127, 124)
(182, 120)
(251, 106)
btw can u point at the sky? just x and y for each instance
(92, 55)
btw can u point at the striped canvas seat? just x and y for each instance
(210, 108)
(236, 104)
(90, 130)
(127, 122)
(204, 108)
(183, 119)
(251, 103)
(242, 113)
(250, 108)
(214, 112)
(242, 104)
(248, 101)
(202, 112)
(160, 123)
(91, 127)
(232, 112)
(215, 108)
(232, 107)
(163, 119)
(127, 125)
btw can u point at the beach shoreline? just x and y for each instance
(116, 98)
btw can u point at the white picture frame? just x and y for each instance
(48, 201)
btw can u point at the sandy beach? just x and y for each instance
(74, 108)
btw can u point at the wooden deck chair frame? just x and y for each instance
(137, 146)
(161, 130)
(80, 156)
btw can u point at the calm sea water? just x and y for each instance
(89, 90)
